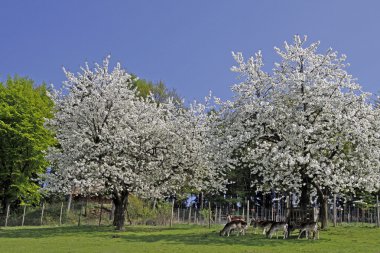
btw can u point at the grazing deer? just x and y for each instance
(239, 225)
(265, 225)
(309, 227)
(277, 226)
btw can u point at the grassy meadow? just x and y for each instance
(182, 239)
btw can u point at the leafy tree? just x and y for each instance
(158, 91)
(307, 126)
(23, 139)
(115, 143)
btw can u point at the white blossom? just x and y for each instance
(306, 121)
(112, 141)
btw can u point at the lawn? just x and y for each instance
(180, 238)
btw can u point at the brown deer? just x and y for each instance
(232, 218)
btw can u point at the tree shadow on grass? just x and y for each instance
(148, 234)
(212, 238)
(95, 231)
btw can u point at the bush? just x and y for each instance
(141, 212)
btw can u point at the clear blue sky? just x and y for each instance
(186, 44)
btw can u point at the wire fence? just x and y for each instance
(61, 213)
(95, 212)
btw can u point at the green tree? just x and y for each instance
(23, 139)
(159, 90)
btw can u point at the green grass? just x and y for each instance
(180, 238)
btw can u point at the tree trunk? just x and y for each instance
(323, 196)
(200, 201)
(324, 211)
(120, 201)
(305, 198)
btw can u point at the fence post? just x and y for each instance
(363, 215)
(220, 214)
(85, 207)
(80, 214)
(23, 216)
(172, 214)
(209, 214)
(357, 214)
(334, 210)
(248, 214)
(189, 220)
(378, 210)
(42, 212)
(60, 214)
(216, 213)
(69, 203)
(349, 214)
(100, 212)
(7, 215)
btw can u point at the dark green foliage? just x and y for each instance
(241, 178)
(23, 139)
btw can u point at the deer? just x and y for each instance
(309, 227)
(239, 225)
(232, 218)
(277, 226)
(265, 225)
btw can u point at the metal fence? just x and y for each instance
(60, 213)
(95, 212)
